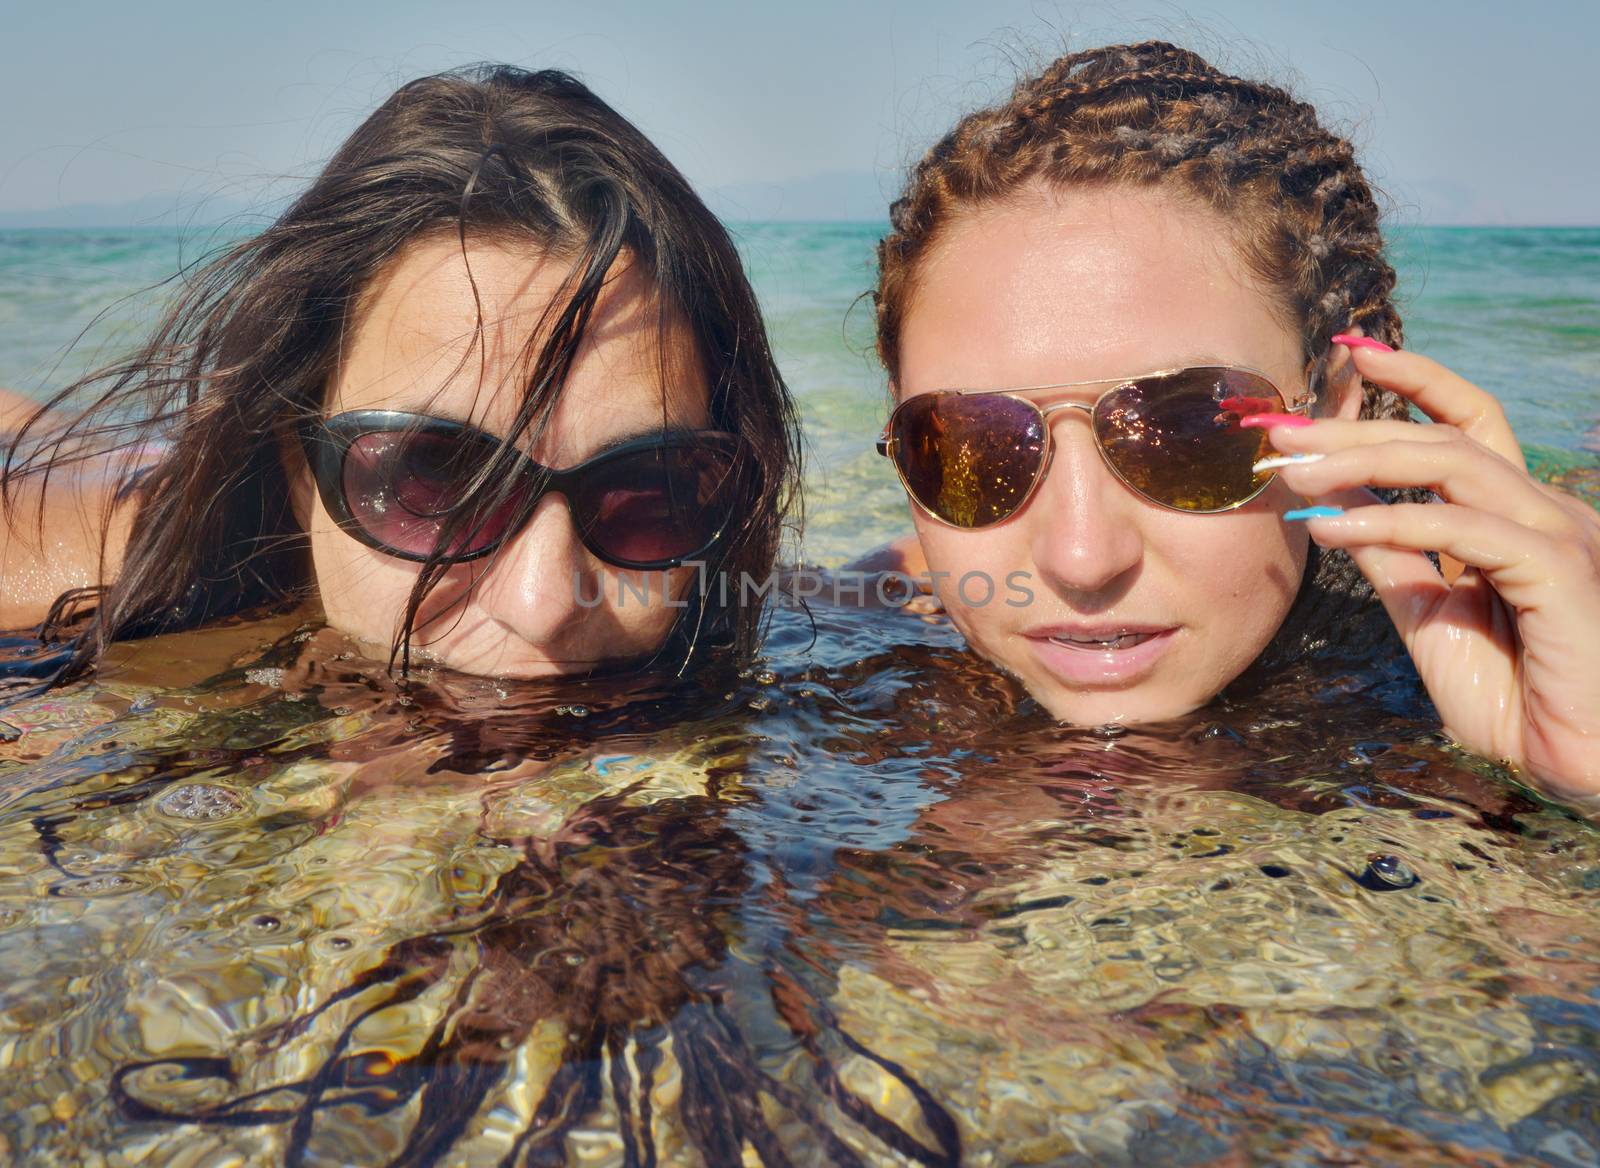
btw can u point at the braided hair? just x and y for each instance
(1300, 213)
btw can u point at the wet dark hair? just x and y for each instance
(617, 930)
(1301, 214)
(252, 342)
(629, 934)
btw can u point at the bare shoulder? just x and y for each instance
(891, 576)
(62, 531)
(15, 410)
(903, 555)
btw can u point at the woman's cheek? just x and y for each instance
(1251, 574)
(642, 625)
(979, 609)
(363, 593)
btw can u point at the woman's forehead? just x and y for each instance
(417, 343)
(1083, 284)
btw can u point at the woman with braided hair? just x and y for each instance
(1136, 318)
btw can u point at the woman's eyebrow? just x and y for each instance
(445, 413)
(1166, 365)
(496, 434)
(1199, 361)
(622, 440)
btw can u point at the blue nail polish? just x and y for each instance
(1314, 513)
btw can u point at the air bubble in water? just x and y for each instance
(199, 801)
(1386, 874)
(106, 884)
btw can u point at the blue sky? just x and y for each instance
(1464, 112)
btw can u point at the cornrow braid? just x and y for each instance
(1149, 78)
(1144, 54)
(1302, 216)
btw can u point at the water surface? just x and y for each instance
(262, 902)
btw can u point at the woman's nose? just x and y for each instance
(535, 583)
(1087, 537)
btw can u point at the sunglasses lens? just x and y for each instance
(1176, 438)
(648, 508)
(969, 459)
(403, 486)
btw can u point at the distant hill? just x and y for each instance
(854, 195)
(838, 195)
(845, 195)
(160, 210)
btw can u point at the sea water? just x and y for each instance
(261, 902)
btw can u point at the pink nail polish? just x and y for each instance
(1267, 421)
(1361, 343)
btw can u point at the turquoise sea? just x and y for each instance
(862, 904)
(1516, 310)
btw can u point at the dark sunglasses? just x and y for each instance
(973, 458)
(395, 481)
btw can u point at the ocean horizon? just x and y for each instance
(1514, 309)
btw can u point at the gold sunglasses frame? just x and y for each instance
(885, 442)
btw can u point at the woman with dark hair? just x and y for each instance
(494, 390)
(494, 393)
(1134, 317)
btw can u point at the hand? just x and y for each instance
(1510, 648)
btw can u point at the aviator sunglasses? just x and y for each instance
(395, 481)
(972, 458)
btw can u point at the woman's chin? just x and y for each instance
(1122, 707)
(511, 661)
(500, 660)
(514, 666)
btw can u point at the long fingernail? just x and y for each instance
(1314, 513)
(1279, 461)
(1266, 421)
(1361, 343)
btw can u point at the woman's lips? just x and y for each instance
(1108, 657)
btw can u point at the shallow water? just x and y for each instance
(864, 904)
(261, 903)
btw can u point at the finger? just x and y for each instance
(1459, 471)
(1325, 434)
(1531, 571)
(1442, 395)
(1406, 581)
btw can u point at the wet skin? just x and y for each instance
(516, 613)
(1053, 287)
